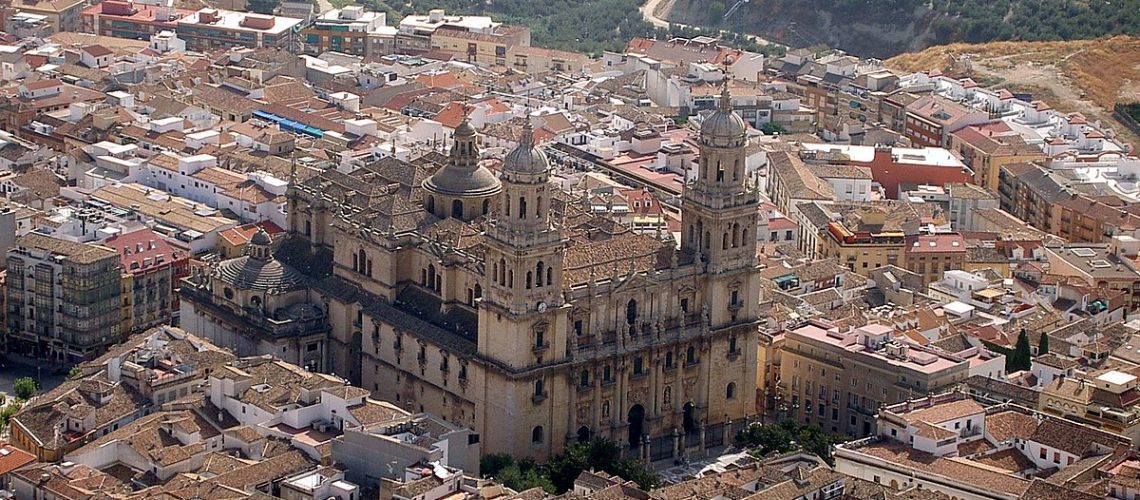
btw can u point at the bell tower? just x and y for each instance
(523, 315)
(523, 263)
(719, 213)
(720, 207)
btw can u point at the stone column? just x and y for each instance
(678, 443)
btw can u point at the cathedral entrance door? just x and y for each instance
(690, 420)
(583, 434)
(636, 425)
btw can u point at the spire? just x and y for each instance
(527, 138)
(725, 98)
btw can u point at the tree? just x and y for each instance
(558, 474)
(7, 412)
(1022, 359)
(492, 463)
(25, 388)
(74, 372)
(1043, 344)
(787, 436)
(772, 128)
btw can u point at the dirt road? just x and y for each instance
(655, 8)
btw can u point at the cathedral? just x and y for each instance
(501, 303)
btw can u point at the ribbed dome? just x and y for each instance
(463, 175)
(464, 129)
(260, 238)
(248, 273)
(723, 125)
(453, 181)
(526, 158)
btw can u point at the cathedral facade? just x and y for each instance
(501, 303)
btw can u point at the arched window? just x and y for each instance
(536, 435)
(735, 235)
(457, 209)
(478, 291)
(431, 204)
(528, 280)
(538, 208)
(511, 278)
(522, 207)
(584, 378)
(508, 205)
(708, 238)
(549, 276)
(361, 258)
(502, 269)
(730, 391)
(744, 236)
(669, 359)
(637, 366)
(732, 344)
(431, 276)
(538, 387)
(724, 242)
(538, 274)
(691, 355)
(719, 171)
(486, 206)
(355, 263)
(735, 170)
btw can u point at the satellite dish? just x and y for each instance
(542, 307)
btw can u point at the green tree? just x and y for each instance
(1043, 344)
(558, 474)
(492, 463)
(25, 388)
(787, 436)
(1022, 358)
(771, 128)
(7, 412)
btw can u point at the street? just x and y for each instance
(13, 368)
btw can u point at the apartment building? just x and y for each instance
(951, 445)
(930, 255)
(351, 30)
(840, 379)
(63, 298)
(985, 148)
(151, 269)
(931, 119)
(203, 30)
(62, 15)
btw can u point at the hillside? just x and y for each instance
(882, 28)
(1090, 76)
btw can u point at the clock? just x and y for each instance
(542, 307)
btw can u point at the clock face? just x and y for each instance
(542, 307)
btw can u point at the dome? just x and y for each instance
(526, 158)
(463, 176)
(260, 238)
(453, 181)
(723, 125)
(248, 273)
(465, 129)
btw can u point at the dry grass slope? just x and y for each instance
(1080, 75)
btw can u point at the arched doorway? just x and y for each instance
(636, 423)
(583, 434)
(690, 419)
(457, 209)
